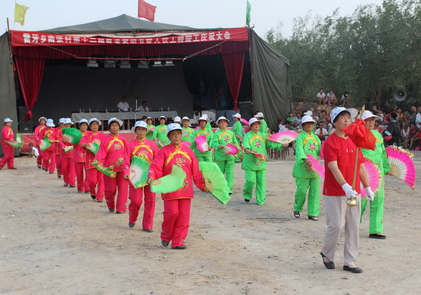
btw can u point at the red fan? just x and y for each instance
(361, 136)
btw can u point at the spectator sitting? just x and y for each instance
(345, 100)
(321, 132)
(321, 96)
(123, 105)
(143, 108)
(331, 98)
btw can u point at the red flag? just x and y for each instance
(361, 136)
(146, 10)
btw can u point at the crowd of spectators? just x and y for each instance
(400, 128)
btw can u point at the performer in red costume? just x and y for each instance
(112, 153)
(58, 146)
(175, 225)
(146, 149)
(37, 132)
(66, 155)
(8, 150)
(49, 160)
(79, 157)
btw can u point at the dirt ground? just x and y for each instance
(54, 240)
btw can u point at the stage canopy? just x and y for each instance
(244, 57)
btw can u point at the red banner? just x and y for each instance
(23, 38)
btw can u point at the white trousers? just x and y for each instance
(338, 216)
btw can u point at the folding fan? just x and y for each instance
(44, 144)
(108, 171)
(230, 149)
(72, 135)
(201, 143)
(239, 137)
(159, 143)
(93, 147)
(215, 181)
(185, 143)
(402, 165)
(18, 143)
(139, 168)
(284, 137)
(244, 121)
(373, 176)
(261, 156)
(316, 166)
(171, 182)
(68, 148)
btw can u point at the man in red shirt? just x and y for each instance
(339, 155)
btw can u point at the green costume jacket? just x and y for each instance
(258, 143)
(305, 144)
(263, 127)
(193, 144)
(187, 134)
(237, 128)
(150, 134)
(221, 137)
(160, 133)
(379, 155)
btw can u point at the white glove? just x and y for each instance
(369, 194)
(349, 192)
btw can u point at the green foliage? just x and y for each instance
(369, 54)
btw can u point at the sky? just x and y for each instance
(265, 14)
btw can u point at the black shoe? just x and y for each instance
(119, 212)
(58, 175)
(182, 247)
(93, 197)
(296, 214)
(65, 185)
(314, 218)
(165, 243)
(148, 230)
(353, 269)
(39, 166)
(72, 185)
(100, 201)
(246, 200)
(377, 236)
(111, 210)
(51, 172)
(328, 265)
(131, 224)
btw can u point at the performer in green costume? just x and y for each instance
(151, 128)
(255, 165)
(379, 158)
(238, 130)
(187, 131)
(203, 130)
(263, 125)
(160, 133)
(225, 162)
(307, 143)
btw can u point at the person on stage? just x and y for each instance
(187, 131)
(160, 133)
(49, 134)
(379, 158)
(8, 150)
(255, 147)
(175, 225)
(94, 178)
(112, 153)
(79, 157)
(202, 130)
(151, 128)
(67, 162)
(339, 153)
(225, 162)
(37, 132)
(307, 143)
(146, 149)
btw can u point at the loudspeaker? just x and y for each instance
(400, 94)
(25, 126)
(246, 109)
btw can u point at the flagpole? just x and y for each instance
(14, 23)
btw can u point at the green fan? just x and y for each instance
(106, 170)
(169, 183)
(68, 148)
(93, 147)
(139, 169)
(215, 181)
(72, 135)
(44, 144)
(18, 143)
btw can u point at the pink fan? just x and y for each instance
(202, 144)
(185, 143)
(373, 176)
(284, 137)
(230, 149)
(263, 157)
(239, 137)
(402, 165)
(158, 142)
(244, 121)
(316, 166)
(321, 149)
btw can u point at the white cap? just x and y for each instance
(203, 118)
(141, 124)
(61, 120)
(237, 115)
(185, 118)
(308, 113)
(7, 120)
(67, 121)
(259, 115)
(253, 120)
(42, 118)
(83, 121)
(336, 111)
(94, 120)
(149, 118)
(367, 115)
(172, 127)
(221, 118)
(177, 119)
(50, 123)
(115, 120)
(307, 119)
(162, 117)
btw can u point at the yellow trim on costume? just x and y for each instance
(141, 144)
(177, 151)
(202, 131)
(256, 137)
(224, 133)
(305, 140)
(114, 140)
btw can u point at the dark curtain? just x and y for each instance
(234, 64)
(30, 73)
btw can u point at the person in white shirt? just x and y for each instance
(143, 108)
(321, 96)
(321, 132)
(123, 105)
(418, 118)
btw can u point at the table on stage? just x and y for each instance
(125, 116)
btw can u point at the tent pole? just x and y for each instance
(251, 70)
